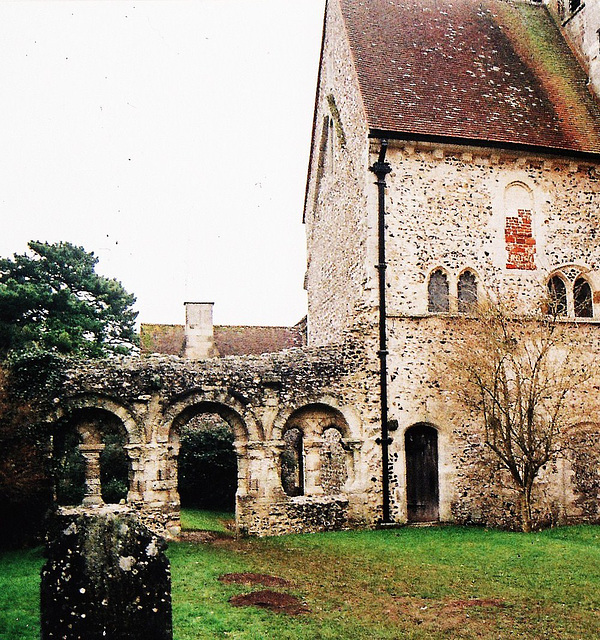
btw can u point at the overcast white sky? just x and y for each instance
(171, 139)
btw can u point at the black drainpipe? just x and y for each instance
(381, 168)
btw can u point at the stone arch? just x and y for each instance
(314, 420)
(517, 195)
(135, 431)
(246, 429)
(579, 287)
(245, 426)
(105, 433)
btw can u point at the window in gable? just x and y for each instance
(582, 298)
(467, 292)
(558, 296)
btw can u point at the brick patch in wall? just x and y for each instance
(520, 242)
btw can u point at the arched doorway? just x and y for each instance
(207, 471)
(422, 481)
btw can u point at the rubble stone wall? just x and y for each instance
(337, 213)
(466, 200)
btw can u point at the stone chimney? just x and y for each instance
(199, 336)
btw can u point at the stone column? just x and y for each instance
(312, 467)
(272, 475)
(136, 473)
(93, 488)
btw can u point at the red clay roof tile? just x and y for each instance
(481, 70)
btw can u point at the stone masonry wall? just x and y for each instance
(259, 396)
(454, 208)
(337, 215)
(472, 489)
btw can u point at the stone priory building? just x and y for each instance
(455, 151)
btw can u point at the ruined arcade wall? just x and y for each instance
(259, 396)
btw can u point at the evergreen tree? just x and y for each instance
(53, 300)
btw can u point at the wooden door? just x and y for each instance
(422, 485)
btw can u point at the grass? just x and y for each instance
(195, 519)
(412, 584)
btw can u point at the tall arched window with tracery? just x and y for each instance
(467, 292)
(582, 299)
(438, 292)
(557, 293)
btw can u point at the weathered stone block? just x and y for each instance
(106, 577)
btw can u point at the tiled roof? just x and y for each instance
(483, 70)
(169, 339)
(162, 338)
(232, 341)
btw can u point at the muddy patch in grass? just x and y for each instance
(254, 578)
(204, 537)
(449, 616)
(272, 600)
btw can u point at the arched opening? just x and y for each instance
(422, 479)
(114, 462)
(467, 292)
(317, 456)
(438, 292)
(582, 298)
(68, 465)
(207, 470)
(90, 462)
(557, 292)
(292, 462)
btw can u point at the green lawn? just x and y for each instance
(448, 582)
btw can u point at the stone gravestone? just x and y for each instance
(106, 577)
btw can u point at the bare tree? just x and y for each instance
(518, 373)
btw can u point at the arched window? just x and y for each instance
(582, 298)
(292, 462)
(467, 292)
(438, 292)
(557, 292)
